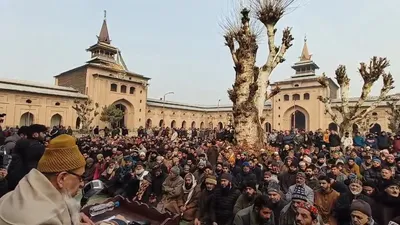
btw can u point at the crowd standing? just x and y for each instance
(303, 178)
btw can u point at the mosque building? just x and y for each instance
(106, 80)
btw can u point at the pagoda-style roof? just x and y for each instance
(305, 67)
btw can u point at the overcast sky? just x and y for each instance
(179, 44)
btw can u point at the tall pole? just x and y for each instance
(219, 100)
(294, 115)
(163, 105)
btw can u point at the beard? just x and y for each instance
(250, 197)
(188, 186)
(73, 207)
(355, 192)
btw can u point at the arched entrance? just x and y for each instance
(202, 125)
(161, 123)
(26, 119)
(55, 120)
(128, 120)
(333, 126)
(298, 120)
(268, 127)
(148, 123)
(193, 125)
(376, 128)
(220, 125)
(184, 124)
(173, 124)
(296, 117)
(122, 121)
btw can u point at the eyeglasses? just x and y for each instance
(79, 176)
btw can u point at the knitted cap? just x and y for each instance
(62, 154)
(361, 206)
(211, 180)
(301, 174)
(273, 187)
(226, 176)
(299, 193)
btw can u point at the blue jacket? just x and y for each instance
(358, 141)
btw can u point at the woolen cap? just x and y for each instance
(299, 193)
(211, 180)
(226, 176)
(62, 154)
(361, 206)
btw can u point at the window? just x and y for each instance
(57, 104)
(114, 87)
(296, 85)
(286, 98)
(306, 96)
(123, 89)
(131, 90)
(374, 114)
(296, 97)
(140, 101)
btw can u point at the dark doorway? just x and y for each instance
(298, 120)
(121, 122)
(268, 127)
(220, 126)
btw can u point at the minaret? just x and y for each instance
(103, 48)
(305, 67)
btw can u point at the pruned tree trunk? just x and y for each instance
(352, 114)
(250, 89)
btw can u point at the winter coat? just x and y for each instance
(358, 141)
(248, 216)
(205, 210)
(396, 144)
(212, 155)
(36, 201)
(341, 209)
(371, 142)
(242, 178)
(192, 204)
(334, 140)
(325, 203)
(373, 174)
(383, 142)
(388, 208)
(223, 203)
(286, 180)
(243, 202)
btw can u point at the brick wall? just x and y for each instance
(75, 79)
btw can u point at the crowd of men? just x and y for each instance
(303, 178)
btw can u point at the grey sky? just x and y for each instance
(179, 44)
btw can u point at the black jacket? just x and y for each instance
(223, 203)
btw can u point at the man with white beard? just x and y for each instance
(46, 194)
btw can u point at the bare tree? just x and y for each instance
(250, 89)
(86, 111)
(352, 114)
(394, 115)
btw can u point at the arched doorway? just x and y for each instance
(122, 121)
(376, 128)
(161, 123)
(26, 119)
(298, 120)
(55, 120)
(78, 123)
(173, 124)
(184, 124)
(202, 125)
(220, 125)
(268, 127)
(193, 125)
(148, 123)
(333, 126)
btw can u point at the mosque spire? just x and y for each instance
(305, 55)
(104, 36)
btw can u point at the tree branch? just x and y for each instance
(370, 75)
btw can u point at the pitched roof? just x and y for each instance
(104, 36)
(33, 87)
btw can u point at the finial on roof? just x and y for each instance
(104, 36)
(305, 55)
